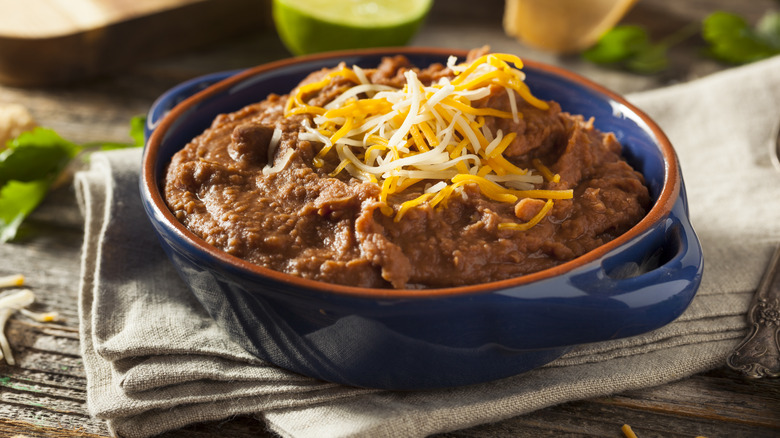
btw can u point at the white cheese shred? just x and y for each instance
(276, 137)
(12, 302)
(12, 280)
(270, 170)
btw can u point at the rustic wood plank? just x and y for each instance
(43, 399)
(75, 385)
(713, 404)
(82, 39)
(48, 257)
(589, 419)
(50, 363)
(32, 365)
(32, 421)
(46, 18)
(709, 398)
(238, 427)
(24, 394)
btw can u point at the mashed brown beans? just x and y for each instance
(302, 221)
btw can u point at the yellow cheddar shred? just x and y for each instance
(545, 171)
(12, 280)
(534, 220)
(627, 431)
(429, 136)
(413, 203)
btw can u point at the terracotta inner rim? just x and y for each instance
(662, 207)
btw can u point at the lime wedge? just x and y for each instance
(309, 26)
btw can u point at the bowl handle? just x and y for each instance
(665, 286)
(678, 252)
(626, 299)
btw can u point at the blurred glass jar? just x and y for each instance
(562, 26)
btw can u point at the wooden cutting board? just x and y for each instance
(46, 42)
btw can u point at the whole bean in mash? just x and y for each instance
(406, 177)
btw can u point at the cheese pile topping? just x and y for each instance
(430, 136)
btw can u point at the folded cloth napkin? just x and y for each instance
(155, 361)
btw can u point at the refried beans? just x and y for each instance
(258, 185)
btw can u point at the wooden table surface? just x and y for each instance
(44, 395)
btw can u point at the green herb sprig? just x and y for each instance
(31, 163)
(732, 40)
(630, 47)
(728, 36)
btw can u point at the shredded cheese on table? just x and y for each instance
(12, 280)
(627, 431)
(16, 301)
(428, 136)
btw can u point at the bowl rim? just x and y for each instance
(662, 207)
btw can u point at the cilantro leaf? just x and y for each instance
(732, 40)
(31, 163)
(137, 125)
(629, 47)
(37, 154)
(618, 44)
(17, 200)
(651, 60)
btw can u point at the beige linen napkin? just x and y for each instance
(155, 361)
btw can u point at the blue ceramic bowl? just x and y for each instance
(416, 339)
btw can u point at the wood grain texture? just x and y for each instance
(44, 396)
(35, 19)
(46, 42)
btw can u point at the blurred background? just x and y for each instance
(70, 51)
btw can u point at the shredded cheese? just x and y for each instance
(430, 135)
(16, 301)
(12, 280)
(270, 170)
(627, 431)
